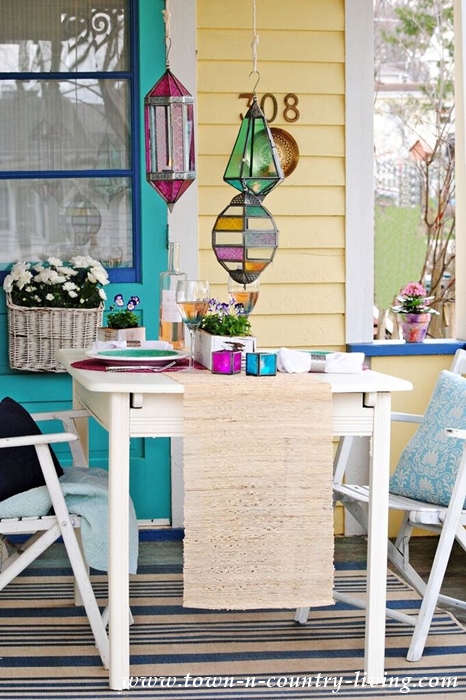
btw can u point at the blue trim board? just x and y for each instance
(168, 534)
(399, 348)
(161, 535)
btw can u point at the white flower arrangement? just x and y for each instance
(76, 284)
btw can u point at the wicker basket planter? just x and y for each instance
(35, 333)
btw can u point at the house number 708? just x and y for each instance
(290, 113)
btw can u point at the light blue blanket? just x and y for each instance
(86, 494)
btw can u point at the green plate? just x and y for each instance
(138, 355)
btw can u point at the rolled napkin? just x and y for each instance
(114, 344)
(294, 361)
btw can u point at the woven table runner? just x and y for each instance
(258, 491)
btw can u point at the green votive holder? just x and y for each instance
(261, 364)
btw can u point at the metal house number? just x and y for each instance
(269, 105)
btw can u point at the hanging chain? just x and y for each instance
(254, 44)
(168, 42)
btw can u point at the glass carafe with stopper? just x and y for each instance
(171, 326)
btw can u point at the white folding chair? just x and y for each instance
(45, 530)
(443, 426)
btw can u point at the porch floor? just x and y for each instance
(422, 551)
(347, 549)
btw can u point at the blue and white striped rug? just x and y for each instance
(46, 647)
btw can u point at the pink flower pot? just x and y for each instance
(414, 327)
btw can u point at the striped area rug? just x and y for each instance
(46, 648)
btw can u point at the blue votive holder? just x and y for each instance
(226, 362)
(261, 364)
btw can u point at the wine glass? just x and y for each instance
(192, 298)
(245, 294)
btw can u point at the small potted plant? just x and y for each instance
(415, 311)
(226, 326)
(123, 322)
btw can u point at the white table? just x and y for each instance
(151, 405)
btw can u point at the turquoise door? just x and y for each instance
(150, 458)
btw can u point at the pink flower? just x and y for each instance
(414, 300)
(413, 289)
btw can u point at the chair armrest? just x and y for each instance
(25, 440)
(60, 415)
(69, 419)
(407, 417)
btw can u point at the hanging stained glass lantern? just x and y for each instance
(169, 130)
(254, 164)
(108, 158)
(245, 238)
(169, 133)
(82, 220)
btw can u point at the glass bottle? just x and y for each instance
(171, 326)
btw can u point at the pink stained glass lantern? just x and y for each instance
(169, 138)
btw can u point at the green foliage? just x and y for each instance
(425, 27)
(226, 325)
(123, 318)
(226, 319)
(400, 248)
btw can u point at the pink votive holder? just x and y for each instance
(226, 362)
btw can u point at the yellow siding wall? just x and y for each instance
(301, 50)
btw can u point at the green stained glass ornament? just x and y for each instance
(254, 164)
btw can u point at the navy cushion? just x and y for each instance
(19, 466)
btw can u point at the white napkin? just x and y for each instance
(107, 345)
(295, 361)
(156, 345)
(146, 344)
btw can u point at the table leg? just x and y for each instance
(118, 581)
(374, 654)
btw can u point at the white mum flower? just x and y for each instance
(44, 276)
(70, 286)
(102, 294)
(8, 284)
(55, 278)
(100, 274)
(49, 297)
(72, 294)
(23, 278)
(21, 265)
(55, 262)
(82, 261)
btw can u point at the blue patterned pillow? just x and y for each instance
(428, 466)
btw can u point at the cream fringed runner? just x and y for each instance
(258, 491)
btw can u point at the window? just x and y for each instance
(68, 117)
